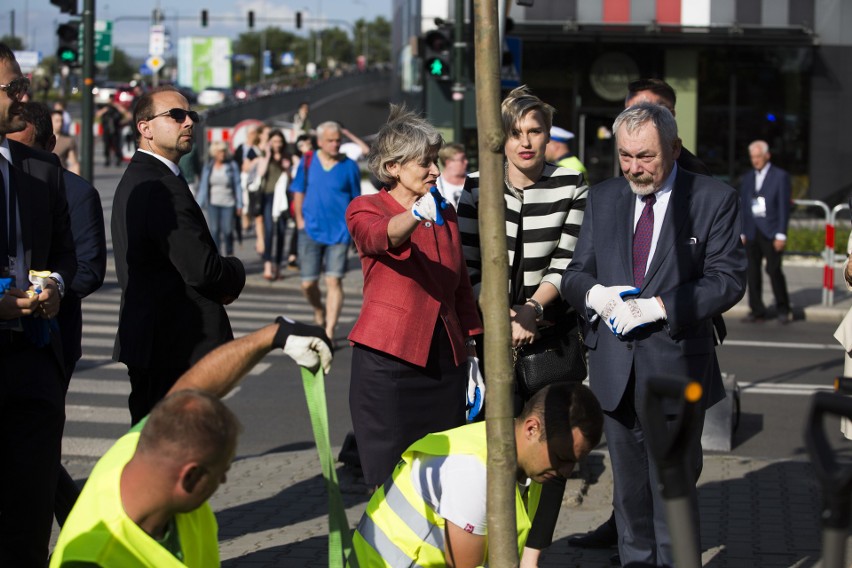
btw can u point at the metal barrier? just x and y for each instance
(828, 252)
(832, 218)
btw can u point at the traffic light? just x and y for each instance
(298, 20)
(203, 18)
(437, 48)
(251, 19)
(66, 6)
(68, 51)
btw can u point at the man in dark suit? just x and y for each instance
(670, 239)
(34, 235)
(87, 229)
(174, 283)
(658, 92)
(766, 202)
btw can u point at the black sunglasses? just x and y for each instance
(179, 115)
(16, 88)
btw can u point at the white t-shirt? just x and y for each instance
(450, 191)
(455, 488)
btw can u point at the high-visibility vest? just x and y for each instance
(99, 531)
(573, 163)
(400, 529)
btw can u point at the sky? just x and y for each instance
(36, 20)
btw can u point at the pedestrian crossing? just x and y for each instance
(96, 404)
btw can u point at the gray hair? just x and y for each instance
(405, 137)
(637, 116)
(518, 103)
(760, 144)
(327, 125)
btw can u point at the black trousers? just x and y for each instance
(147, 388)
(394, 403)
(32, 418)
(757, 249)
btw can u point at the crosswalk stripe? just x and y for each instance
(97, 414)
(96, 386)
(85, 447)
(788, 388)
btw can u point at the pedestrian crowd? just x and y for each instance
(632, 275)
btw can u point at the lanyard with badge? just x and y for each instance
(758, 202)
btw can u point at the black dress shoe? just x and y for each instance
(751, 318)
(785, 318)
(605, 536)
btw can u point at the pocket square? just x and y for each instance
(692, 241)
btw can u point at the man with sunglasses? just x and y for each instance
(34, 234)
(174, 284)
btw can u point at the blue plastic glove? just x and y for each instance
(605, 299)
(634, 314)
(475, 389)
(429, 207)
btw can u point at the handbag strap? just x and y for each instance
(517, 295)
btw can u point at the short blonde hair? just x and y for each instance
(405, 137)
(218, 146)
(518, 103)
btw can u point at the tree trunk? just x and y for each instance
(494, 297)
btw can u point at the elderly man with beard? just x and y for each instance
(174, 284)
(658, 257)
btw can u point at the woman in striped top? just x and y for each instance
(544, 211)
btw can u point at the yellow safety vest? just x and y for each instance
(99, 531)
(400, 529)
(573, 163)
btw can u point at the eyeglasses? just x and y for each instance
(179, 115)
(17, 88)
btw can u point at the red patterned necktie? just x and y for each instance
(642, 240)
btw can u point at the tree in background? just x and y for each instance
(377, 35)
(14, 42)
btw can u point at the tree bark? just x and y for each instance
(494, 296)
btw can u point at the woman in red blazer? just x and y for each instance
(414, 334)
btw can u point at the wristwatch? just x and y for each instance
(539, 309)
(59, 286)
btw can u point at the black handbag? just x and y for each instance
(559, 354)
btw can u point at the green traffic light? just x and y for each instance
(437, 68)
(67, 56)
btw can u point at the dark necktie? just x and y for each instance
(8, 222)
(642, 240)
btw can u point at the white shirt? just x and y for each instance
(660, 206)
(760, 176)
(450, 191)
(172, 166)
(454, 487)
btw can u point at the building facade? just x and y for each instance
(779, 70)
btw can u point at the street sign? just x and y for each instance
(155, 63)
(157, 40)
(103, 42)
(288, 59)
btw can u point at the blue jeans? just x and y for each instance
(221, 222)
(315, 257)
(272, 230)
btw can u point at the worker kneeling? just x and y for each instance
(145, 503)
(432, 510)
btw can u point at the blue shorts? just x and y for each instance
(315, 257)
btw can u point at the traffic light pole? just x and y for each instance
(88, 102)
(458, 74)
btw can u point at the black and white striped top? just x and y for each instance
(552, 210)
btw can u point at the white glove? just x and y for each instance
(634, 314)
(604, 299)
(475, 389)
(307, 345)
(429, 206)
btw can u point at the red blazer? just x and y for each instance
(407, 288)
